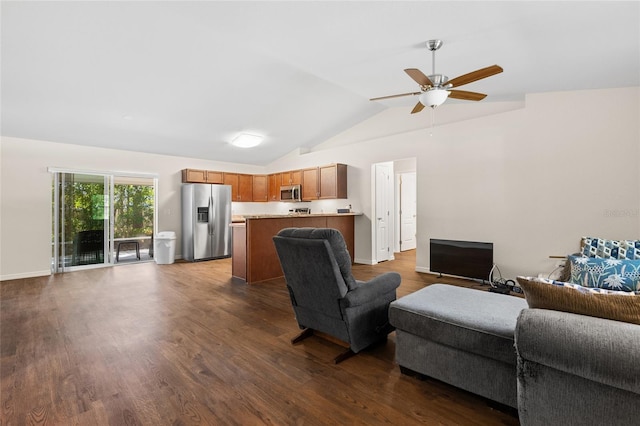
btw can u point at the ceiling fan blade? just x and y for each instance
(467, 96)
(418, 76)
(419, 107)
(476, 75)
(394, 96)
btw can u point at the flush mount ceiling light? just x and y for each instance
(246, 140)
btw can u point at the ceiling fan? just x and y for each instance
(436, 88)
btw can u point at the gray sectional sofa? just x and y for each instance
(577, 370)
(556, 368)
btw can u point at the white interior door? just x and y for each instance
(408, 195)
(384, 200)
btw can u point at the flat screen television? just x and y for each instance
(470, 259)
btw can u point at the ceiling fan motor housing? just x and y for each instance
(434, 44)
(438, 80)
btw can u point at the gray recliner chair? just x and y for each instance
(325, 295)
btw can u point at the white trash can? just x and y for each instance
(165, 247)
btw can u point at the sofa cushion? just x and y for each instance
(569, 297)
(609, 274)
(475, 321)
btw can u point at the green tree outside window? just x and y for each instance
(133, 209)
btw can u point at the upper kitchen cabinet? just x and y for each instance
(245, 188)
(201, 176)
(292, 177)
(326, 182)
(232, 179)
(333, 181)
(310, 189)
(241, 186)
(275, 181)
(317, 183)
(260, 188)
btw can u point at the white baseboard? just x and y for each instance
(369, 261)
(22, 275)
(423, 269)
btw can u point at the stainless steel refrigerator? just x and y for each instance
(206, 220)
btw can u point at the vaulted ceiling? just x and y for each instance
(183, 78)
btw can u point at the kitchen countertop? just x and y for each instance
(243, 218)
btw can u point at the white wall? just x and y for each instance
(532, 178)
(26, 190)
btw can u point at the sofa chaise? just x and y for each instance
(556, 368)
(460, 336)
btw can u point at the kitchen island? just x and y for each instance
(254, 256)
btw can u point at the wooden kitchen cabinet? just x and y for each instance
(260, 188)
(241, 186)
(275, 181)
(317, 183)
(310, 184)
(326, 182)
(292, 177)
(245, 188)
(232, 179)
(201, 176)
(214, 177)
(194, 176)
(332, 182)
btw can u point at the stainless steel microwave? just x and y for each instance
(290, 193)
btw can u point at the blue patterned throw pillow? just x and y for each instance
(609, 274)
(606, 249)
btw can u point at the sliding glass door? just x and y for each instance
(133, 218)
(101, 219)
(81, 220)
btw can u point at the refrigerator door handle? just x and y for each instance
(211, 217)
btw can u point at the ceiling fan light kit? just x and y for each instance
(434, 97)
(436, 88)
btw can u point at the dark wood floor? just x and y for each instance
(185, 344)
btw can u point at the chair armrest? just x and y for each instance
(601, 350)
(372, 289)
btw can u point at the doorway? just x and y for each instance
(394, 201)
(133, 218)
(383, 228)
(101, 219)
(408, 212)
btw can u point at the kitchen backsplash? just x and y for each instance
(319, 206)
